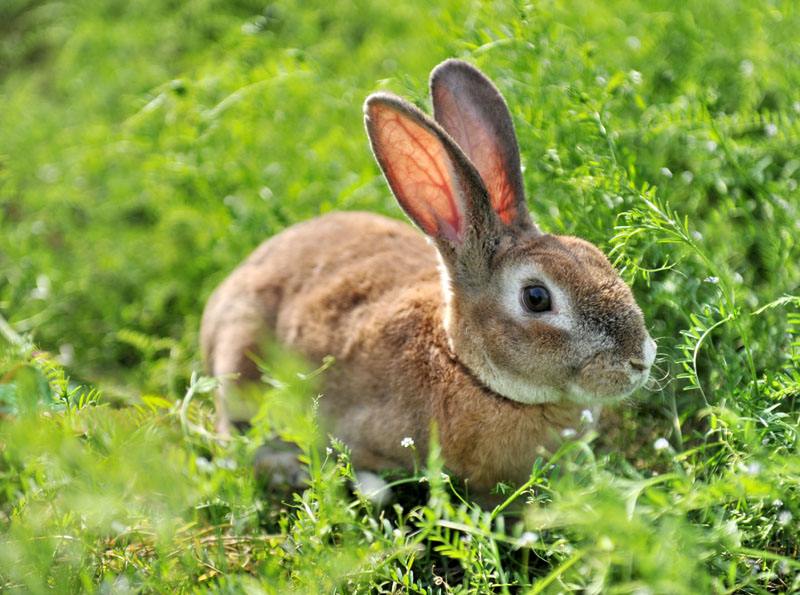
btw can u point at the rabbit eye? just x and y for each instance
(536, 298)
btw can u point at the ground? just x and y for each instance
(147, 146)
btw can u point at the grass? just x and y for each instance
(146, 147)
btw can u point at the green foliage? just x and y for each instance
(146, 147)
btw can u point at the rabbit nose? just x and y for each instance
(637, 364)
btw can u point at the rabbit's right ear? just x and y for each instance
(470, 108)
(433, 181)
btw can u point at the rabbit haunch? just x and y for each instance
(436, 332)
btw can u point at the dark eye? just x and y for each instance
(536, 298)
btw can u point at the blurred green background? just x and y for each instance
(147, 146)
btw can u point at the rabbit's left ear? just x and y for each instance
(472, 111)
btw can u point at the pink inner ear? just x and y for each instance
(419, 171)
(479, 143)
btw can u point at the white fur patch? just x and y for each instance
(514, 387)
(447, 296)
(514, 280)
(504, 382)
(649, 351)
(373, 488)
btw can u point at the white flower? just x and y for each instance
(66, 354)
(636, 77)
(587, 417)
(666, 172)
(753, 469)
(203, 465)
(445, 477)
(605, 543)
(42, 289)
(568, 432)
(712, 280)
(777, 502)
(661, 444)
(687, 176)
(407, 442)
(711, 146)
(328, 450)
(770, 129)
(784, 518)
(527, 539)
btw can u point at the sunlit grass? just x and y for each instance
(145, 149)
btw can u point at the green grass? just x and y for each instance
(146, 147)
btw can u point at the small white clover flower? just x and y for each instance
(770, 129)
(753, 469)
(777, 503)
(587, 417)
(636, 77)
(568, 432)
(661, 444)
(407, 442)
(204, 465)
(711, 146)
(527, 539)
(784, 518)
(666, 172)
(712, 280)
(42, 289)
(328, 450)
(226, 463)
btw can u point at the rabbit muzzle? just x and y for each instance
(607, 375)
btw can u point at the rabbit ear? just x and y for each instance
(470, 108)
(431, 178)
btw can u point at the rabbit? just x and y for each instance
(494, 332)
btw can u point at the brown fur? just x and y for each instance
(379, 315)
(420, 342)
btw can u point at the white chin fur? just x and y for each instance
(515, 388)
(583, 397)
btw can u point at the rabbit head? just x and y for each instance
(535, 317)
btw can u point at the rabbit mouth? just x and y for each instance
(608, 383)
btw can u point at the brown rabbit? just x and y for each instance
(496, 332)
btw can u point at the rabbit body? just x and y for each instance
(497, 333)
(366, 289)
